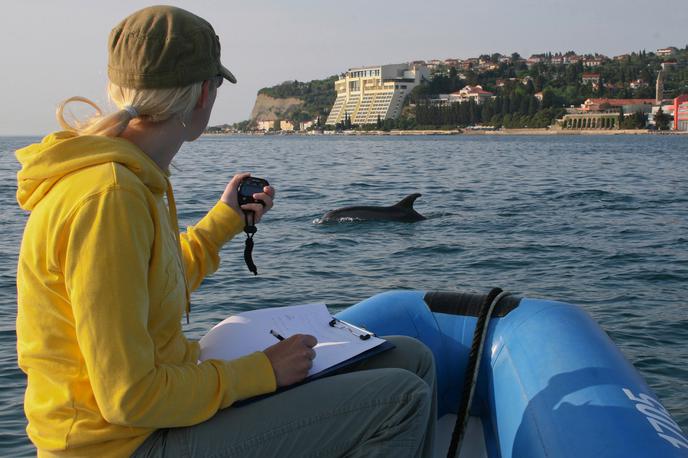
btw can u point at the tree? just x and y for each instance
(548, 98)
(637, 120)
(662, 120)
(347, 121)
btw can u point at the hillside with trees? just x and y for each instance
(515, 84)
(317, 96)
(530, 92)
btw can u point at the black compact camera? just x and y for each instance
(250, 186)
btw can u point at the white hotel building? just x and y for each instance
(366, 93)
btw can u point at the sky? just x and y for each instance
(54, 49)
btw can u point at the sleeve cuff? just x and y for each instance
(253, 376)
(221, 224)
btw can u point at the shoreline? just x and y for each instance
(501, 132)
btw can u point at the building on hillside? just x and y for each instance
(589, 121)
(604, 113)
(265, 125)
(305, 125)
(503, 82)
(471, 63)
(590, 78)
(667, 52)
(439, 100)
(638, 84)
(539, 96)
(558, 59)
(468, 93)
(592, 61)
(433, 64)
(629, 106)
(286, 126)
(535, 59)
(669, 64)
(367, 94)
(614, 87)
(489, 67)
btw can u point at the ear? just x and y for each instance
(203, 98)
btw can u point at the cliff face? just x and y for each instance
(269, 108)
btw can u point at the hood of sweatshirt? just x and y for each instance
(58, 154)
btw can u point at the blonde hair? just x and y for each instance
(152, 105)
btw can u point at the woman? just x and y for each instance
(104, 279)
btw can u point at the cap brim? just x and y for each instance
(227, 74)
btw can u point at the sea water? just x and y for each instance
(597, 221)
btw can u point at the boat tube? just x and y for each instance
(551, 383)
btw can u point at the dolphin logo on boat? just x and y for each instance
(401, 211)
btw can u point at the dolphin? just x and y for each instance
(401, 211)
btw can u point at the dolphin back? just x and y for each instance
(407, 202)
(401, 211)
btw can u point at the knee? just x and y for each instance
(410, 386)
(414, 350)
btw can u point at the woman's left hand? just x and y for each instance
(230, 198)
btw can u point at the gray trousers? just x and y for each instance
(385, 406)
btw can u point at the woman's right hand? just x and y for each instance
(292, 358)
(229, 197)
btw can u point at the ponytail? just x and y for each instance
(111, 125)
(152, 105)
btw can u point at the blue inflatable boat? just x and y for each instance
(550, 382)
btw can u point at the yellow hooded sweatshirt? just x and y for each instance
(102, 287)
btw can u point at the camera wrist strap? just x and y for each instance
(250, 229)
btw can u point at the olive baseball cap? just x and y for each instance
(164, 47)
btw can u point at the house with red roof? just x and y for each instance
(475, 93)
(590, 78)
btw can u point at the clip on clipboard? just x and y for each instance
(355, 330)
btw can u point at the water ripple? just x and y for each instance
(596, 221)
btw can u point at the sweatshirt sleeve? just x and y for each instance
(201, 243)
(106, 259)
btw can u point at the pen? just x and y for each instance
(276, 335)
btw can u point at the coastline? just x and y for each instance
(501, 132)
(588, 132)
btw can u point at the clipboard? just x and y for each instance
(340, 344)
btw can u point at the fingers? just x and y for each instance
(229, 196)
(236, 179)
(257, 210)
(292, 358)
(266, 197)
(308, 340)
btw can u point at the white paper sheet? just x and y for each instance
(248, 332)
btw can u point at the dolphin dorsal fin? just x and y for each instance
(407, 202)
